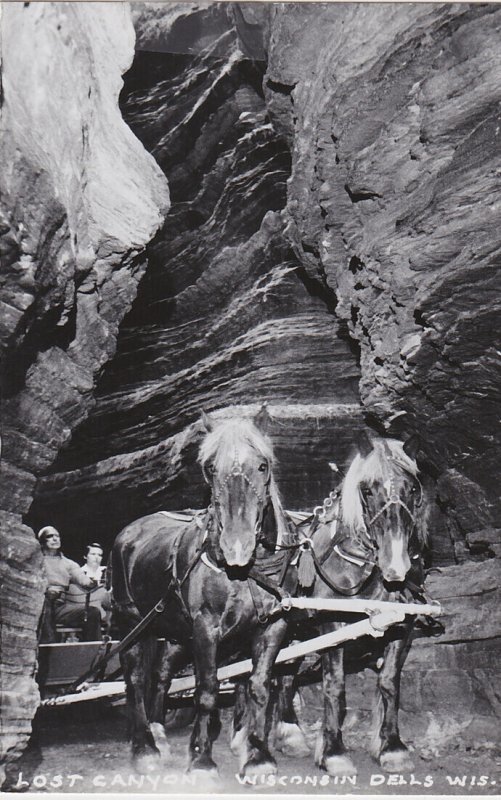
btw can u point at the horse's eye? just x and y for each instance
(263, 467)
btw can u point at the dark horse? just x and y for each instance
(366, 540)
(211, 607)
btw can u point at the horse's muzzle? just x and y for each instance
(237, 553)
(395, 575)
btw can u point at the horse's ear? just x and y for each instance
(207, 422)
(412, 445)
(364, 444)
(262, 419)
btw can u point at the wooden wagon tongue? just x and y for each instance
(381, 615)
(360, 605)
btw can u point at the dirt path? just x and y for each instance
(85, 750)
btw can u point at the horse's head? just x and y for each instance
(236, 458)
(381, 500)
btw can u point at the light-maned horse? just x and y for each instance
(211, 606)
(368, 541)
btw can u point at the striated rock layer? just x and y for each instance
(226, 315)
(331, 248)
(80, 198)
(339, 189)
(392, 113)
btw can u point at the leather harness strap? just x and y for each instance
(367, 571)
(127, 641)
(262, 574)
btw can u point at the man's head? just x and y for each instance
(94, 555)
(49, 538)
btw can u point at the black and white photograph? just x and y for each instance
(250, 306)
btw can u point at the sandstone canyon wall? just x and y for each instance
(393, 202)
(331, 248)
(80, 198)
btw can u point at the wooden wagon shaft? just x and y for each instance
(327, 640)
(324, 642)
(360, 606)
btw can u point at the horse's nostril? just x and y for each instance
(395, 577)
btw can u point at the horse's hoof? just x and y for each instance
(290, 740)
(338, 765)
(256, 768)
(396, 761)
(207, 780)
(238, 741)
(158, 733)
(239, 746)
(146, 762)
(199, 773)
(203, 765)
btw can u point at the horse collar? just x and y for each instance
(206, 560)
(204, 554)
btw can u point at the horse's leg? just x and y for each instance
(238, 735)
(289, 738)
(136, 664)
(207, 725)
(387, 747)
(330, 753)
(266, 646)
(171, 657)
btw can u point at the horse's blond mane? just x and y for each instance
(236, 439)
(378, 465)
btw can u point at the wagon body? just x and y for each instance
(61, 664)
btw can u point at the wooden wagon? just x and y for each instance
(66, 672)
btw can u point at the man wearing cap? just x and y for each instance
(61, 572)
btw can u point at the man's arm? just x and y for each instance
(78, 576)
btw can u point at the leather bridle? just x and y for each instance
(237, 471)
(393, 500)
